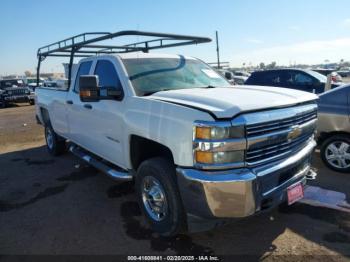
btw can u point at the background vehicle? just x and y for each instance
(344, 71)
(31, 82)
(334, 75)
(227, 74)
(334, 128)
(240, 80)
(196, 153)
(58, 83)
(14, 90)
(241, 73)
(304, 80)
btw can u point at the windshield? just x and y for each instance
(150, 75)
(317, 75)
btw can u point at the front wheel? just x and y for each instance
(335, 153)
(54, 143)
(159, 197)
(32, 102)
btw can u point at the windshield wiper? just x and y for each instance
(209, 86)
(169, 89)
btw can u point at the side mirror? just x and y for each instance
(89, 89)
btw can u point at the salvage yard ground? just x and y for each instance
(61, 206)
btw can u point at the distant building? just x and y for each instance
(52, 75)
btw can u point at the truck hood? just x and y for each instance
(227, 102)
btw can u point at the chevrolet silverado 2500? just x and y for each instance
(199, 150)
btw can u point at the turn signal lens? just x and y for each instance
(204, 157)
(203, 132)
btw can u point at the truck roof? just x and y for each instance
(137, 55)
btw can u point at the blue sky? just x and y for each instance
(250, 31)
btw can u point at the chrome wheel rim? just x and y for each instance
(49, 138)
(337, 154)
(154, 198)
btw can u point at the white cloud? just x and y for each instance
(254, 41)
(306, 52)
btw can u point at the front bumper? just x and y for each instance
(242, 192)
(19, 98)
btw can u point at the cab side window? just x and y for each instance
(107, 75)
(296, 78)
(84, 69)
(302, 79)
(272, 78)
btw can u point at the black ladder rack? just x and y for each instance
(84, 45)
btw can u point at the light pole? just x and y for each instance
(217, 49)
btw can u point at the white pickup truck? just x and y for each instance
(200, 151)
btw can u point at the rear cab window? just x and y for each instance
(84, 69)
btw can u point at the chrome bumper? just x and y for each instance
(19, 98)
(245, 191)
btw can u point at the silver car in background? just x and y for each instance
(334, 128)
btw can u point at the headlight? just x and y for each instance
(218, 132)
(218, 145)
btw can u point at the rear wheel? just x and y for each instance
(55, 144)
(335, 153)
(159, 198)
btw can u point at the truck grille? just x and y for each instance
(273, 126)
(18, 91)
(278, 138)
(263, 154)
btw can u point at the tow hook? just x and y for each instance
(311, 175)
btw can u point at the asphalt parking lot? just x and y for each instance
(61, 206)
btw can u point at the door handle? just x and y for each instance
(88, 106)
(69, 102)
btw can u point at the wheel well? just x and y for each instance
(323, 136)
(45, 115)
(143, 148)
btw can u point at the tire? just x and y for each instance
(161, 171)
(55, 144)
(32, 102)
(335, 153)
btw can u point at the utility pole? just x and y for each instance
(217, 49)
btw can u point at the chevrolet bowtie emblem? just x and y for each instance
(296, 131)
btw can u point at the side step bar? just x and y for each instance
(117, 175)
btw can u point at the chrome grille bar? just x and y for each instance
(254, 130)
(274, 134)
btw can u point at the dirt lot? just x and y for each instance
(61, 206)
